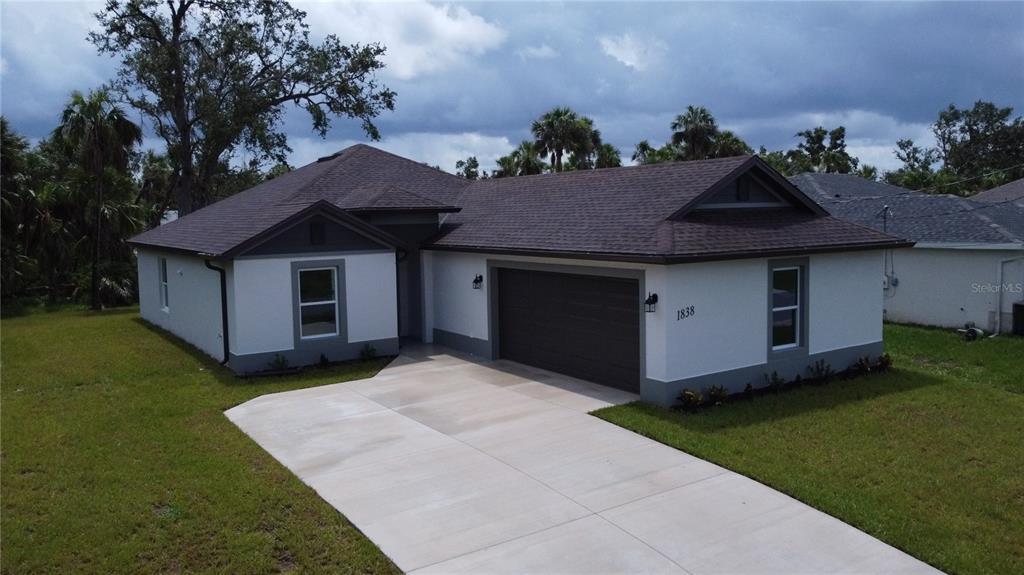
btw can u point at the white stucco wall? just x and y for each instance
(845, 307)
(193, 312)
(729, 327)
(457, 307)
(262, 319)
(950, 287)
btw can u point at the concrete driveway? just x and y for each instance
(455, 466)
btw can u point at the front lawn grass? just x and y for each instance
(117, 458)
(928, 457)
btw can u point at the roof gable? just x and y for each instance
(752, 174)
(363, 235)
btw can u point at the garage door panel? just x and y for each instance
(583, 326)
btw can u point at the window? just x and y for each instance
(318, 303)
(164, 300)
(786, 308)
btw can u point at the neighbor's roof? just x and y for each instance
(1011, 192)
(917, 216)
(636, 213)
(358, 178)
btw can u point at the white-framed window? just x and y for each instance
(786, 302)
(318, 302)
(165, 302)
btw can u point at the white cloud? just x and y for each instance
(634, 52)
(542, 52)
(434, 149)
(421, 38)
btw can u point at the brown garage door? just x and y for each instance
(584, 326)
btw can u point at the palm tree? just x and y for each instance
(728, 144)
(695, 132)
(99, 136)
(558, 132)
(527, 159)
(608, 156)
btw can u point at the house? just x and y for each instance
(967, 265)
(647, 278)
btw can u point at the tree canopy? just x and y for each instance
(214, 77)
(976, 149)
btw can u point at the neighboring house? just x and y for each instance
(968, 262)
(1012, 192)
(648, 278)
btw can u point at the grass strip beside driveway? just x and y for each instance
(927, 457)
(117, 458)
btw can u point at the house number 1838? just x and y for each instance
(684, 313)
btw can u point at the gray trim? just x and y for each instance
(333, 349)
(315, 254)
(735, 380)
(638, 274)
(325, 342)
(801, 350)
(463, 343)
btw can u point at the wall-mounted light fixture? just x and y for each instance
(478, 281)
(650, 302)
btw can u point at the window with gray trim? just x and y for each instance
(165, 303)
(318, 302)
(786, 303)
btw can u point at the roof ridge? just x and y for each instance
(362, 146)
(567, 173)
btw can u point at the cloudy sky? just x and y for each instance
(471, 77)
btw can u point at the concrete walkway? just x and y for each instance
(456, 466)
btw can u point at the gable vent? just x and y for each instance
(316, 233)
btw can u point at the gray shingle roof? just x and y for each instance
(628, 212)
(1011, 192)
(920, 217)
(625, 211)
(357, 178)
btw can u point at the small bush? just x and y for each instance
(367, 353)
(717, 394)
(776, 381)
(821, 371)
(324, 362)
(862, 366)
(279, 362)
(884, 362)
(690, 399)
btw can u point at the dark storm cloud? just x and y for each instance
(766, 70)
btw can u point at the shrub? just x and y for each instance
(717, 394)
(776, 381)
(368, 352)
(324, 362)
(821, 371)
(690, 399)
(279, 362)
(884, 362)
(862, 366)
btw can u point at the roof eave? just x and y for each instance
(677, 258)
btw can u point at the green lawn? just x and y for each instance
(928, 457)
(116, 458)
